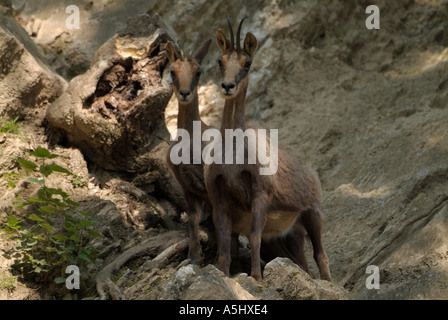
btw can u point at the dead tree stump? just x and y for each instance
(114, 113)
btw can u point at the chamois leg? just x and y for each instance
(295, 242)
(259, 206)
(223, 226)
(194, 217)
(313, 222)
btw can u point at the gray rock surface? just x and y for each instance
(27, 84)
(282, 280)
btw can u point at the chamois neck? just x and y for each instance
(233, 114)
(188, 112)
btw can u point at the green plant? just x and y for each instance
(78, 181)
(12, 178)
(8, 282)
(55, 234)
(10, 126)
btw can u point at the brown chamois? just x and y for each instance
(268, 207)
(185, 75)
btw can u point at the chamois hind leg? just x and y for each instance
(194, 209)
(273, 248)
(259, 205)
(313, 222)
(295, 242)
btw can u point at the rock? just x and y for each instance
(282, 280)
(193, 283)
(26, 83)
(418, 269)
(114, 112)
(295, 284)
(71, 50)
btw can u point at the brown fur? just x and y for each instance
(273, 208)
(185, 74)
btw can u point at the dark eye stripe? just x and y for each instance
(194, 83)
(175, 79)
(241, 75)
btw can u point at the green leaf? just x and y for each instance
(60, 280)
(85, 214)
(35, 218)
(60, 237)
(75, 238)
(84, 257)
(71, 202)
(13, 221)
(34, 200)
(42, 195)
(46, 226)
(47, 209)
(32, 243)
(57, 202)
(52, 191)
(70, 227)
(94, 234)
(60, 169)
(45, 170)
(43, 153)
(34, 180)
(28, 165)
(86, 223)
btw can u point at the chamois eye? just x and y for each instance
(220, 63)
(198, 73)
(173, 74)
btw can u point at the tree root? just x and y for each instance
(106, 287)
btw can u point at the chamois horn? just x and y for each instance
(232, 41)
(238, 47)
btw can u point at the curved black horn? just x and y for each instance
(232, 43)
(238, 47)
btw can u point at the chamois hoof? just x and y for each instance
(257, 277)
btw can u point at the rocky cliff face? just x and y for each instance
(366, 108)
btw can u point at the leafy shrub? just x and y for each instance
(55, 234)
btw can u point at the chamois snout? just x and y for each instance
(184, 94)
(227, 88)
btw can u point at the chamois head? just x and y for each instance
(235, 62)
(185, 73)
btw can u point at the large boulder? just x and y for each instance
(115, 111)
(26, 83)
(295, 284)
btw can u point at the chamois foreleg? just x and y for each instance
(223, 226)
(194, 216)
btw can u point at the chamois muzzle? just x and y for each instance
(227, 87)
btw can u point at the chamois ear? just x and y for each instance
(171, 53)
(222, 41)
(202, 51)
(250, 44)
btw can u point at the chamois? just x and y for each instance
(262, 207)
(185, 75)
